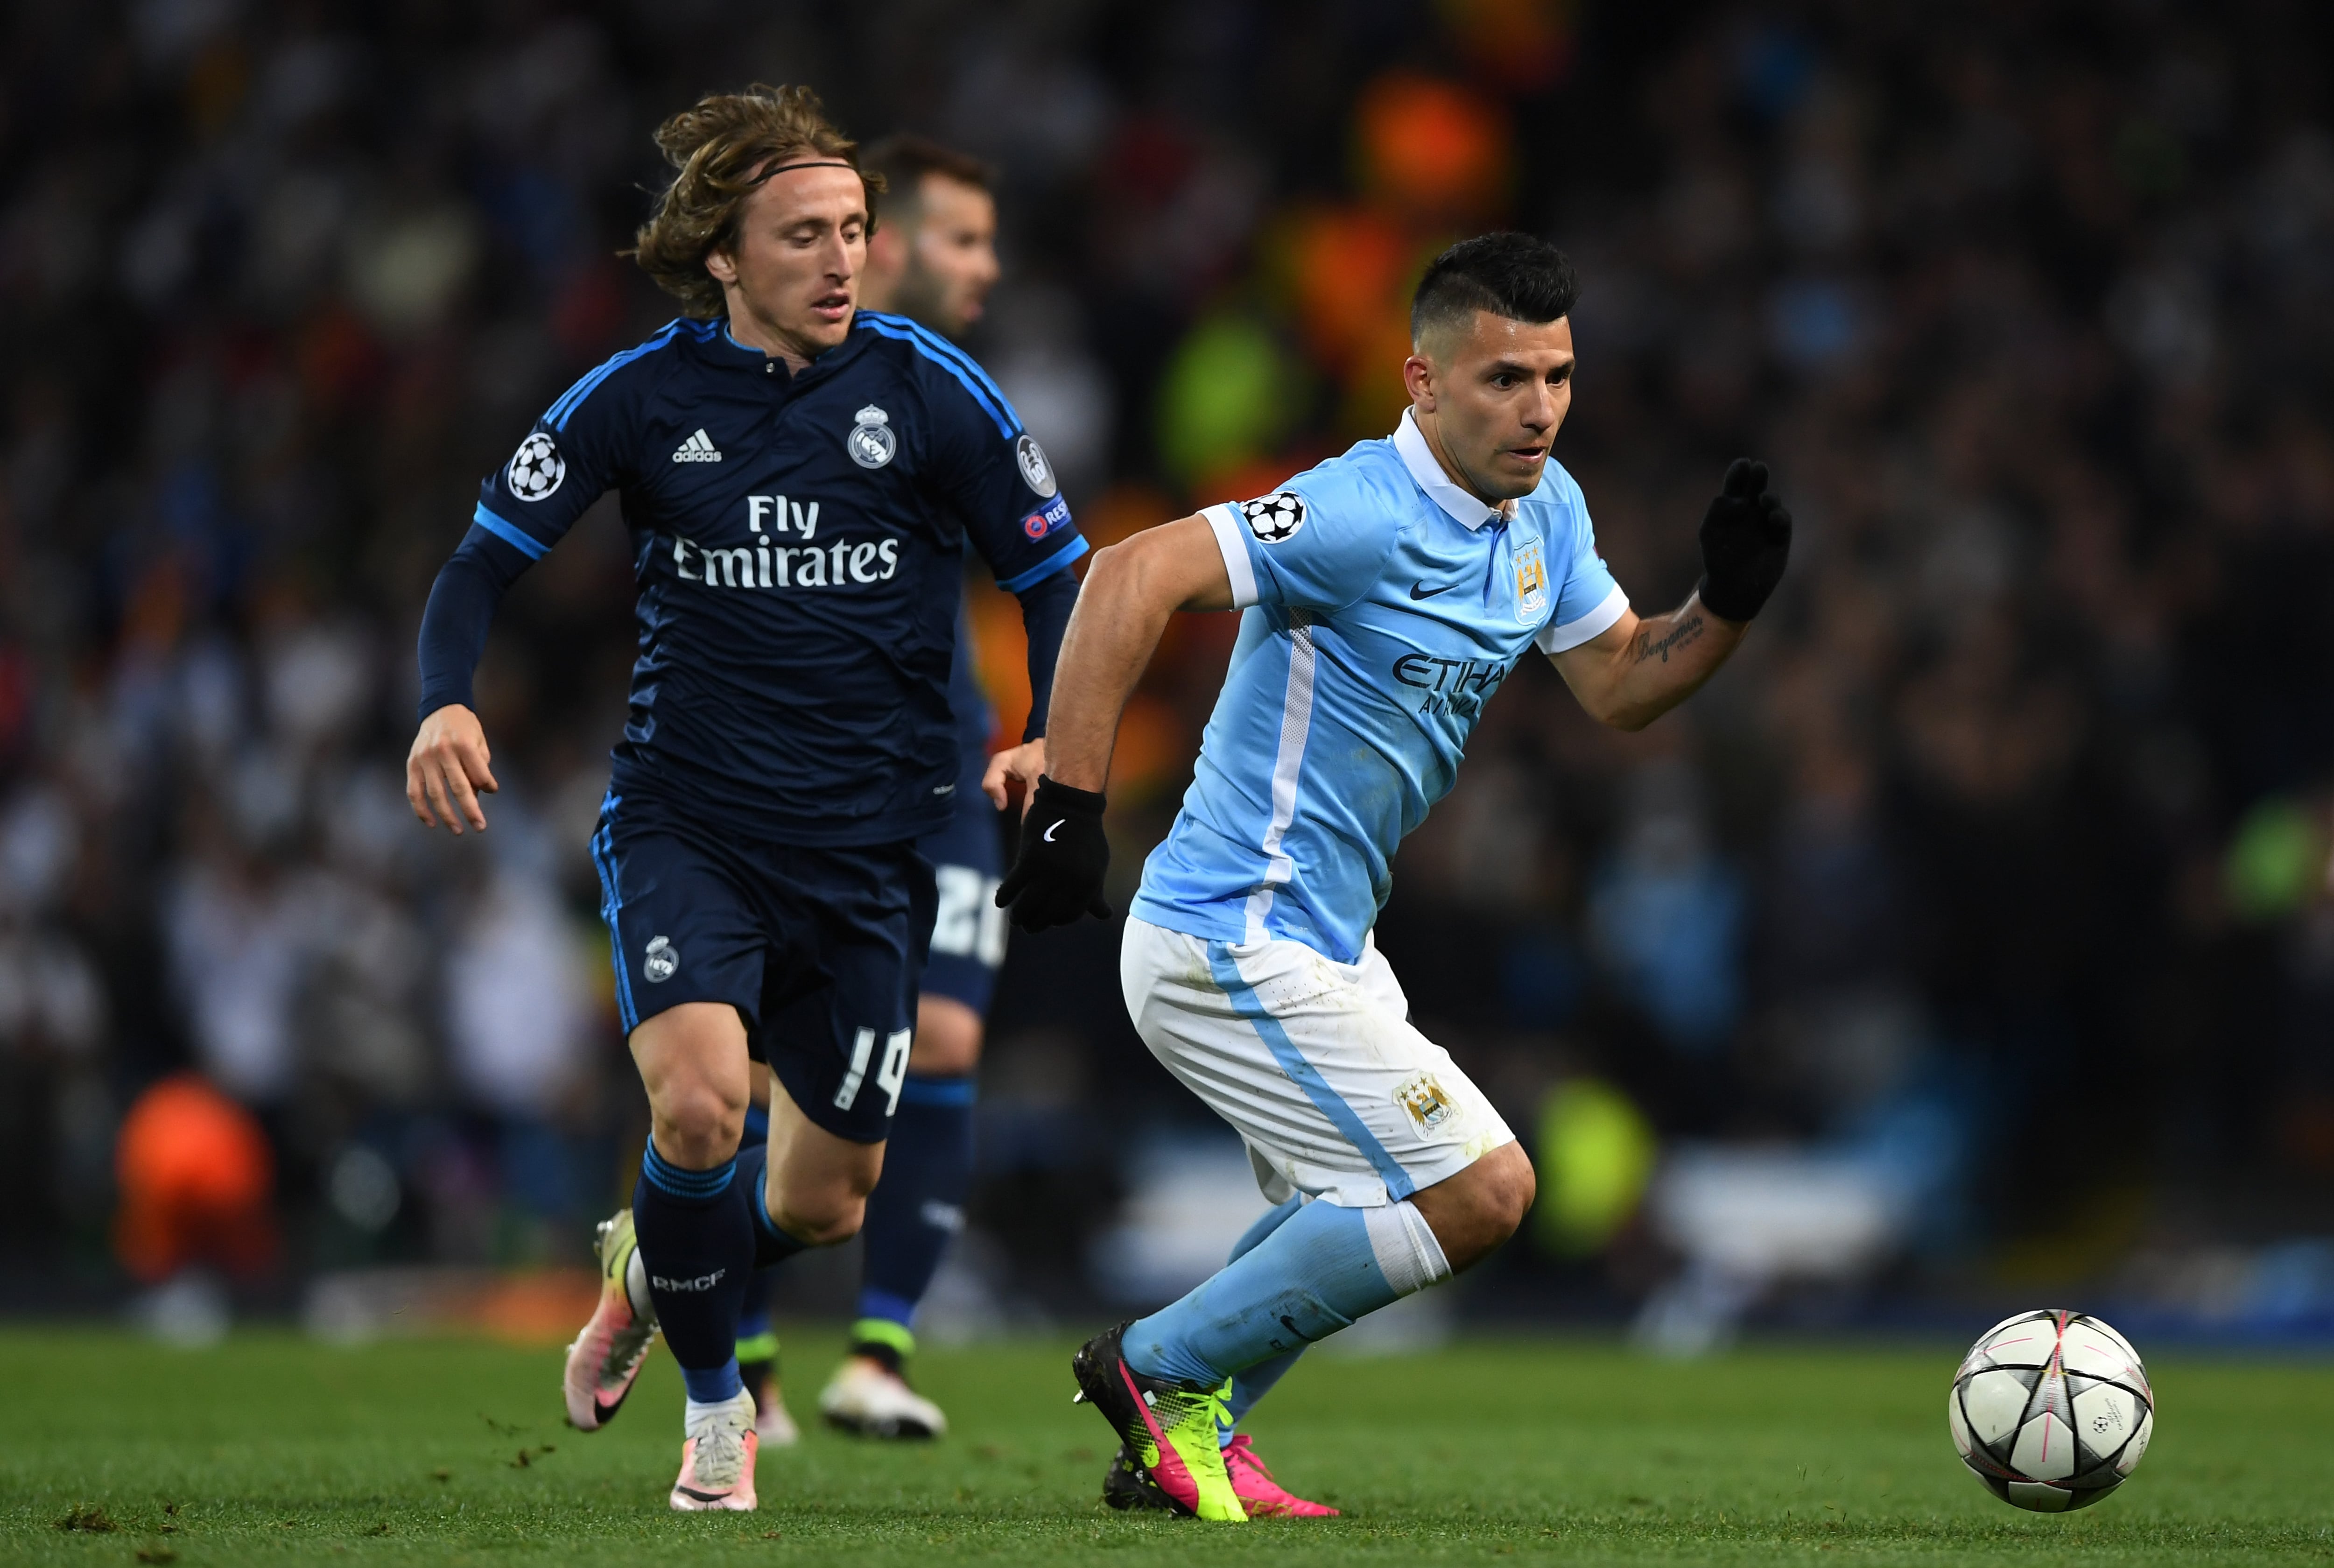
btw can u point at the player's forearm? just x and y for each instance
(1122, 611)
(1046, 606)
(1664, 660)
(462, 603)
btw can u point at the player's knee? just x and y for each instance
(1475, 1211)
(1511, 1185)
(702, 1120)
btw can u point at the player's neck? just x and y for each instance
(749, 331)
(878, 290)
(1431, 427)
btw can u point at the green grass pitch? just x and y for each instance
(272, 1450)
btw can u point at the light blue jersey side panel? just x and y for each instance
(1377, 625)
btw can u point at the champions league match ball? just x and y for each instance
(2051, 1410)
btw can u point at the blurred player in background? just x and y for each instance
(800, 478)
(932, 256)
(1384, 596)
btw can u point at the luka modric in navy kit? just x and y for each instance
(799, 479)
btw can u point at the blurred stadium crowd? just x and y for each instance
(1994, 867)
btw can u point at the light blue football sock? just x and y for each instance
(1252, 1383)
(1317, 1271)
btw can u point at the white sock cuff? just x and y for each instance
(1405, 1244)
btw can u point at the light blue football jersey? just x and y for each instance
(1381, 606)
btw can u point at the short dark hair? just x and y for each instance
(903, 158)
(1517, 275)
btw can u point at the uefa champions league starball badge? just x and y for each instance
(535, 468)
(1274, 517)
(870, 442)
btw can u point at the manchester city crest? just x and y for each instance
(1531, 580)
(1426, 1101)
(870, 442)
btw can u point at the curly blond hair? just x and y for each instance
(722, 148)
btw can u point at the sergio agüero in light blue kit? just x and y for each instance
(1383, 597)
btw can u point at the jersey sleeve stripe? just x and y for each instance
(1237, 565)
(1007, 424)
(509, 533)
(573, 399)
(1058, 560)
(1555, 639)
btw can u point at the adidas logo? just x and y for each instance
(697, 448)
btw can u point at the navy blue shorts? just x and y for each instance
(820, 950)
(968, 931)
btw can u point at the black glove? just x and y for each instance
(1746, 537)
(1057, 876)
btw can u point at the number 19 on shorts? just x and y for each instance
(889, 1075)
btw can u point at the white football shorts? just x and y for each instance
(1313, 1063)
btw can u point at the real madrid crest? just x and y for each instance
(870, 442)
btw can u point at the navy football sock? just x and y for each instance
(698, 1244)
(918, 1208)
(757, 1342)
(771, 1245)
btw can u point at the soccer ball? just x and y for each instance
(2051, 1410)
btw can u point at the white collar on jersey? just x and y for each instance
(1419, 459)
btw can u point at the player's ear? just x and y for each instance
(722, 265)
(1419, 378)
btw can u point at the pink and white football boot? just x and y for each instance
(716, 1458)
(607, 1355)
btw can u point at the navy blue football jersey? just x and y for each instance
(798, 542)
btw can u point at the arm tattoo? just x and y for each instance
(1649, 647)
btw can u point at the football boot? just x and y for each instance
(868, 1399)
(1168, 1428)
(717, 1460)
(606, 1356)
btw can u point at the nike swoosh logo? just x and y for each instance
(1430, 593)
(1052, 830)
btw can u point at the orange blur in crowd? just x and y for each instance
(195, 1176)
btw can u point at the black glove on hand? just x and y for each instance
(1746, 537)
(1057, 877)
